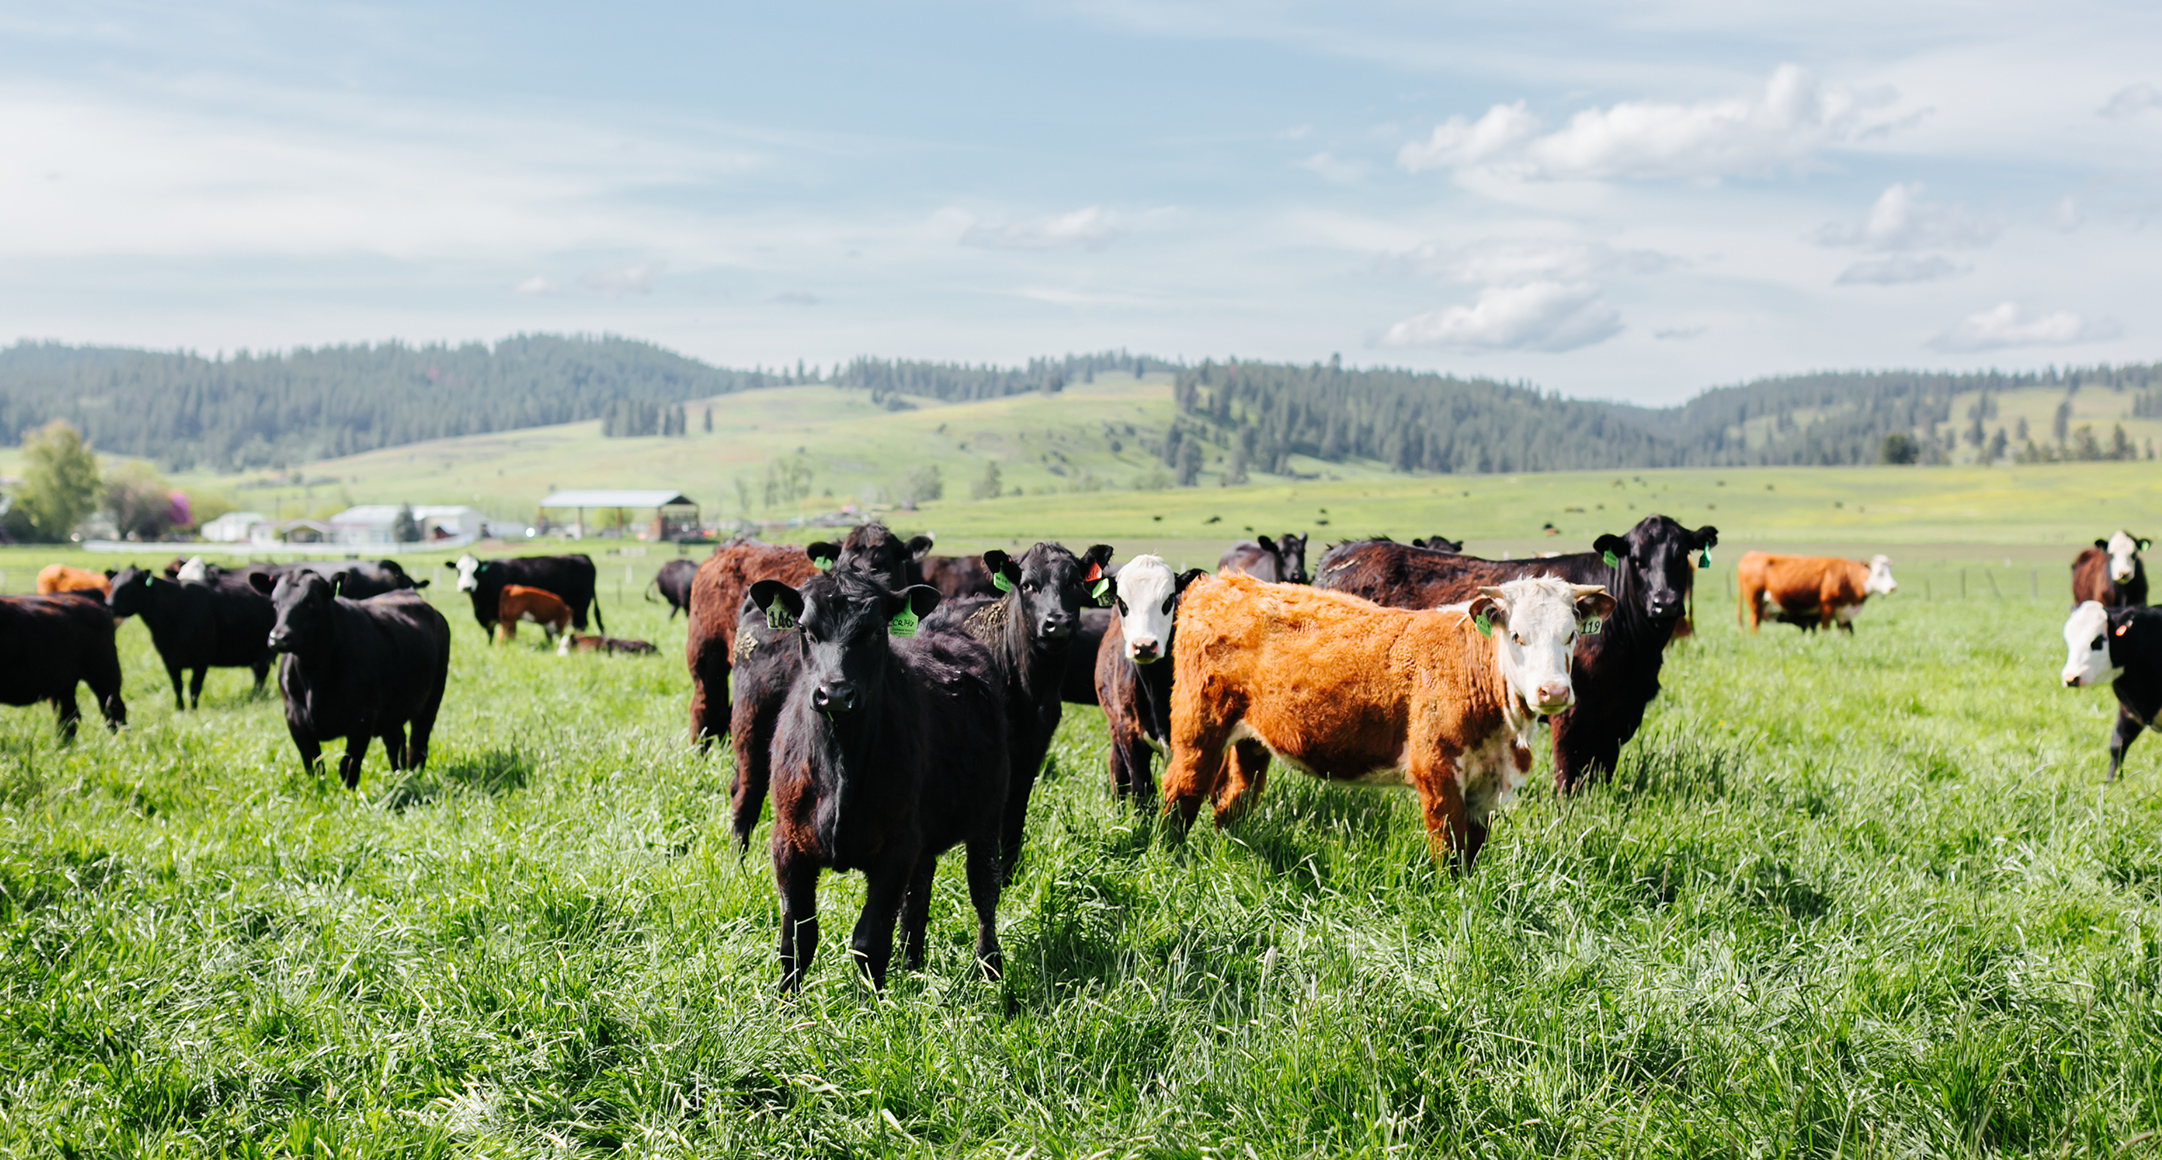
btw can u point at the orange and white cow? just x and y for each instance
(1442, 700)
(61, 578)
(532, 605)
(1811, 591)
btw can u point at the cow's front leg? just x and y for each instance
(1437, 776)
(356, 748)
(2121, 738)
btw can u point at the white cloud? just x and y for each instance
(1900, 270)
(1091, 228)
(2131, 101)
(2067, 215)
(1332, 169)
(1794, 117)
(1515, 261)
(1901, 220)
(534, 285)
(1679, 333)
(1537, 316)
(616, 281)
(2007, 325)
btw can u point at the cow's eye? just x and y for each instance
(1169, 601)
(2096, 646)
(1121, 602)
(1518, 637)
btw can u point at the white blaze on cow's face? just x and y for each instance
(1535, 628)
(196, 569)
(467, 568)
(1148, 595)
(1880, 582)
(2086, 645)
(2121, 548)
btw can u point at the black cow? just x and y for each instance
(957, 577)
(195, 625)
(1029, 629)
(1278, 561)
(363, 579)
(890, 750)
(2121, 645)
(570, 577)
(1438, 544)
(356, 669)
(50, 643)
(1616, 670)
(1078, 687)
(764, 670)
(673, 582)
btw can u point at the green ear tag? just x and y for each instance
(822, 563)
(999, 581)
(1484, 622)
(1612, 560)
(902, 624)
(1592, 625)
(1704, 558)
(1101, 591)
(779, 618)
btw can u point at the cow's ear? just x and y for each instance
(919, 547)
(2101, 543)
(1592, 600)
(782, 605)
(1611, 545)
(1099, 555)
(262, 582)
(1267, 545)
(337, 581)
(1704, 537)
(917, 599)
(2145, 543)
(1189, 576)
(1488, 609)
(823, 554)
(995, 560)
(422, 583)
(111, 572)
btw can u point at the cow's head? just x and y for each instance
(469, 570)
(1148, 595)
(873, 550)
(1880, 582)
(1655, 563)
(1534, 623)
(130, 592)
(303, 601)
(1439, 544)
(843, 620)
(2124, 549)
(2089, 638)
(1051, 585)
(1291, 558)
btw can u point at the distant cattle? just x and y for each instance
(518, 604)
(673, 582)
(194, 568)
(1029, 629)
(1281, 560)
(957, 577)
(356, 669)
(1812, 591)
(889, 750)
(765, 667)
(2124, 647)
(1133, 671)
(2112, 573)
(361, 578)
(49, 644)
(571, 642)
(198, 625)
(570, 577)
(1443, 701)
(1617, 670)
(55, 578)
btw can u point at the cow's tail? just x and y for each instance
(652, 586)
(598, 623)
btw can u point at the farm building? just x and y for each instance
(675, 515)
(233, 527)
(376, 524)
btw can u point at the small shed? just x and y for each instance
(306, 532)
(675, 515)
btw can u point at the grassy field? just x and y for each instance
(1847, 897)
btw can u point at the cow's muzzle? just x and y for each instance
(1555, 698)
(1665, 604)
(1057, 627)
(1144, 651)
(279, 641)
(834, 699)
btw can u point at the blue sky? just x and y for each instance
(1626, 201)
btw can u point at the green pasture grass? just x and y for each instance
(1846, 896)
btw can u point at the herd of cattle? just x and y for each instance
(896, 704)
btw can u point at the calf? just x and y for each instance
(764, 669)
(1443, 701)
(1281, 560)
(518, 603)
(890, 750)
(571, 642)
(50, 643)
(2111, 573)
(673, 582)
(957, 577)
(1812, 591)
(2124, 647)
(356, 669)
(569, 577)
(57, 578)
(1648, 572)
(1029, 628)
(197, 625)
(1133, 674)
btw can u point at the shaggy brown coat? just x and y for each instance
(518, 602)
(716, 597)
(54, 578)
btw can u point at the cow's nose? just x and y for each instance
(1144, 650)
(1555, 696)
(1058, 626)
(277, 640)
(834, 698)
(1665, 604)
(2071, 682)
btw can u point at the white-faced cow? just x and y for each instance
(2111, 573)
(2122, 646)
(570, 577)
(1133, 671)
(1811, 591)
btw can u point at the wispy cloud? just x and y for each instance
(1514, 261)
(534, 285)
(1329, 167)
(614, 281)
(1901, 220)
(1900, 270)
(2131, 100)
(2007, 325)
(1091, 228)
(1538, 316)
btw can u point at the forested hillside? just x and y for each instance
(184, 410)
(958, 382)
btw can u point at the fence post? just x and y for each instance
(2034, 584)
(1962, 583)
(1992, 578)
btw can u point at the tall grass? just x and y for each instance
(1845, 896)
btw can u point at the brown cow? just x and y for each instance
(54, 578)
(532, 605)
(1342, 688)
(2111, 573)
(717, 593)
(1812, 591)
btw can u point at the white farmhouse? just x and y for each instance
(232, 527)
(376, 524)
